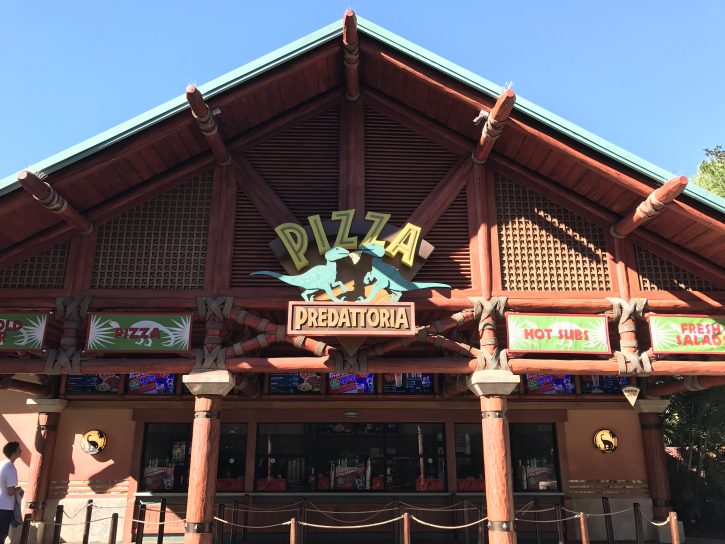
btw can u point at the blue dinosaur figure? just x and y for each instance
(386, 276)
(322, 277)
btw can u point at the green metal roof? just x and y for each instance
(330, 32)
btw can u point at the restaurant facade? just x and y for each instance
(350, 275)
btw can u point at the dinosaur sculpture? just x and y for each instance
(322, 277)
(385, 276)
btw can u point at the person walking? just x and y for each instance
(8, 488)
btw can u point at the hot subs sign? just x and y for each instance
(558, 333)
(701, 334)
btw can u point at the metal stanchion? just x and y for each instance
(87, 525)
(406, 528)
(219, 526)
(113, 529)
(638, 523)
(559, 524)
(245, 517)
(674, 528)
(235, 512)
(58, 524)
(608, 523)
(162, 521)
(536, 520)
(25, 531)
(293, 531)
(583, 527)
(481, 531)
(140, 524)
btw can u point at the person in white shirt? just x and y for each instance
(8, 487)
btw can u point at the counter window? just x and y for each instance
(350, 457)
(534, 458)
(167, 450)
(469, 457)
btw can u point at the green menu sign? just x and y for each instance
(687, 333)
(150, 333)
(22, 331)
(558, 333)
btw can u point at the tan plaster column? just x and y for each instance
(492, 386)
(208, 387)
(650, 419)
(41, 460)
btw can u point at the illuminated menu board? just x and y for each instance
(414, 384)
(88, 384)
(294, 383)
(141, 383)
(546, 384)
(609, 385)
(340, 384)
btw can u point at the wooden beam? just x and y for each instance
(352, 157)
(460, 94)
(493, 125)
(691, 383)
(351, 54)
(440, 365)
(8, 383)
(53, 201)
(428, 212)
(649, 208)
(207, 124)
(270, 206)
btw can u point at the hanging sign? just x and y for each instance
(22, 331)
(701, 334)
(631, 392)
(150, 333)
(558, 333)
(351, 319)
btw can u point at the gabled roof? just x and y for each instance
(333, 31)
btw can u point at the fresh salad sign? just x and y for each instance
(151, 333)
(22, 331)
(687, 334)
(558, 333)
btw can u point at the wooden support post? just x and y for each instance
(493, 125)
(8, 383)
(650, 419)
(351, 54)
(41, 460)
(53, 201)
(208, 387)
(492, 386)
(690, 383)
(207, 124)
(650, 207)
(352, 157)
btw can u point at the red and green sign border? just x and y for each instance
(598, 316)
(143, 351)
(694, 352)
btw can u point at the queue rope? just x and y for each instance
(618, 512)
(577, 516)
(656, 523)
(374, 513)
(450, 508)
(365, 526)
(312, 507)
(282, 524)
(448, 527)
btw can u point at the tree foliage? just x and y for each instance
(711, 173)
(695, 424)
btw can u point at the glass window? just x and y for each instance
(339, 384)
(469, 457)
(93, 384)
(547, 384)
(294, 383)
(414, 384)
(142, 383)
(610, 385)
(167, 450)
(533, 455)
(350, 457)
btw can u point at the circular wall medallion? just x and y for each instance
(93, 442)
(605, 440)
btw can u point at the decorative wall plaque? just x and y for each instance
(605, 440)
(93, 442)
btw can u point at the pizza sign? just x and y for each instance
(152, 333)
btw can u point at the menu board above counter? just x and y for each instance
(411, 384)
(294, 383)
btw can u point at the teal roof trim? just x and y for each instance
(313, 40)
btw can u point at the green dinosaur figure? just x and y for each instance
(322, 277)
(386, 276)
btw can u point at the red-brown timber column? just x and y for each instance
(650, 419)
(492, 386)
(208, 387)
(41, 460)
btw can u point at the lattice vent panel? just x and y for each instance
(302, 165)
(160, 244)
(450, 262)
(401, 167)
(658, 274)
(544, 247)
(43, 271)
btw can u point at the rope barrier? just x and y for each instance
(315, 508)
(656, 523)
(547, 520)
(618, 512)
(379, 523)
(450, 508)
(449, 527)
(288, 522)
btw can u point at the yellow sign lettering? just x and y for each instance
(405, 242)
(344, 239)
(378, 221)
(318, 231)
(294, 238)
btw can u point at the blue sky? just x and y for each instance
(644, 75)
